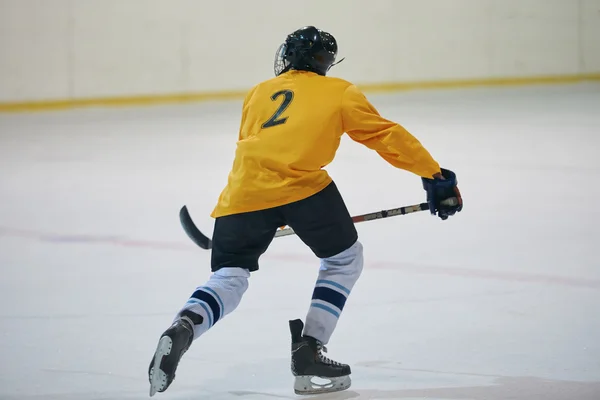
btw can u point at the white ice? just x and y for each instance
(500, 302)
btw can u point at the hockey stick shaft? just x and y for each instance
(370, 216)
(204, 242)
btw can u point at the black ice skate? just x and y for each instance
(173, 343)
(308, 363)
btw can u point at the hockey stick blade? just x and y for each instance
(192, 231)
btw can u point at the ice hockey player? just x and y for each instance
(291, 127)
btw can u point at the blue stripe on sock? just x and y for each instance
(330, 296)
(205, 306)
(334, 284)
(216, 297)
(211, 301)
(328, 309)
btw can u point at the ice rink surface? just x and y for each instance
(499, 302)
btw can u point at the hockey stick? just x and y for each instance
(192, 231)
(204, 242)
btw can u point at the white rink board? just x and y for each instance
(63, 49)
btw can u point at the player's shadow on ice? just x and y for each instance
(514, 388)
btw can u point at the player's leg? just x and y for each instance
(324, 224)
(238, 242)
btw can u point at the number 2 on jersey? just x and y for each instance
(275, 118)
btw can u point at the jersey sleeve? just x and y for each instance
(362, 122)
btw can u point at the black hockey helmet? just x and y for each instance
(307, 49)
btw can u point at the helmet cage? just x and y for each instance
(281, 63)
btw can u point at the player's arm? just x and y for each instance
(397, 146)
(389, 139)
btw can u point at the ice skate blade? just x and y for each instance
(305, 385)
(158, 379)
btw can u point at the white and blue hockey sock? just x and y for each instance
(337, 277)
(218, 297)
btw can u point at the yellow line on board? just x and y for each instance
(177, 98)
(61, 104)
(469, 83)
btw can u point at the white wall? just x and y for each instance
(590, 35)
(59, 49)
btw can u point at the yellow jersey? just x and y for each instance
(291, 128)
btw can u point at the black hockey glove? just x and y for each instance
(443, 195)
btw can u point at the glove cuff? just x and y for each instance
(449, 181)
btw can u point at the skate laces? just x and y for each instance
(322, 349)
